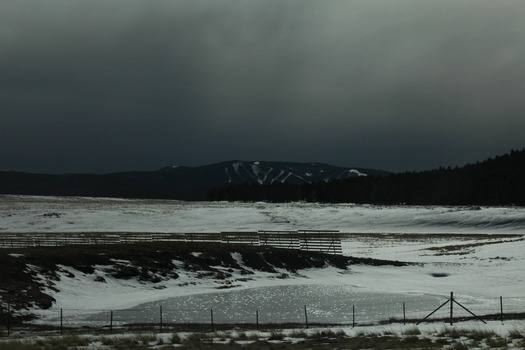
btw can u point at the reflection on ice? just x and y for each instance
(284, 304)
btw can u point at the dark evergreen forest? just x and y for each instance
(495, 181)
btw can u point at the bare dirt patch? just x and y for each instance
(28, 274)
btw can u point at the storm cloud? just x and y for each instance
(103, 86)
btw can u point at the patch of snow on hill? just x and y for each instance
(357, 172)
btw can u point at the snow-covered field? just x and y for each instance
(478, 253)
(32, 214)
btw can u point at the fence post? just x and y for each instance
(467, 310)
(451, 308)
(160, 318)
(501, 307)
(211, 314)
(8, 320)
(404, 315)
(353, 316)
(433, 312)
(111, 322)
(257, 319)
(61, 321)
(306, 316)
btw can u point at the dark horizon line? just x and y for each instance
(238, 160)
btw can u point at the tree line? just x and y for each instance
(495, 181)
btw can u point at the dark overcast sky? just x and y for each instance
(102, 86)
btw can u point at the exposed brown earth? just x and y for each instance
(27, 275)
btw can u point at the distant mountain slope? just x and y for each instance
(495, 181)
(175, 182)
(265, 173)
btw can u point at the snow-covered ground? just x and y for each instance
(73, 214)
(477, 252)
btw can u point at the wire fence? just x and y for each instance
(159, 317)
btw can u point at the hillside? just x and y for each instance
(175, 182)
(495, 181)
(30, 275)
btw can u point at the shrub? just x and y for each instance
(276, 336)
(175, 339)
(195, 340)
(145, 338)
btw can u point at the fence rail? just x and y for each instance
(165, 318)
(309, 240)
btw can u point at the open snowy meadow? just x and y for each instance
(476, 252)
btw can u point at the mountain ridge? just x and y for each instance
(264, 172)
(176, 182)
(494, 181)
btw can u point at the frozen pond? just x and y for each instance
(324, 304)
(283, 304)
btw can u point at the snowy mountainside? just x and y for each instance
(174, 182)
(265, 173)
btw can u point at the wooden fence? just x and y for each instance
(325, 241)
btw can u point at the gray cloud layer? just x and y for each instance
(100, 86)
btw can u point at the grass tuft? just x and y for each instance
(17, 345)
(496, 342)
(515, 334)
(459, 346)
(298, 335)
(479, 335)
(412, 331)
(453, 333)
(175, 339)
(410, 339)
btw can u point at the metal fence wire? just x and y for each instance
(364, 313)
